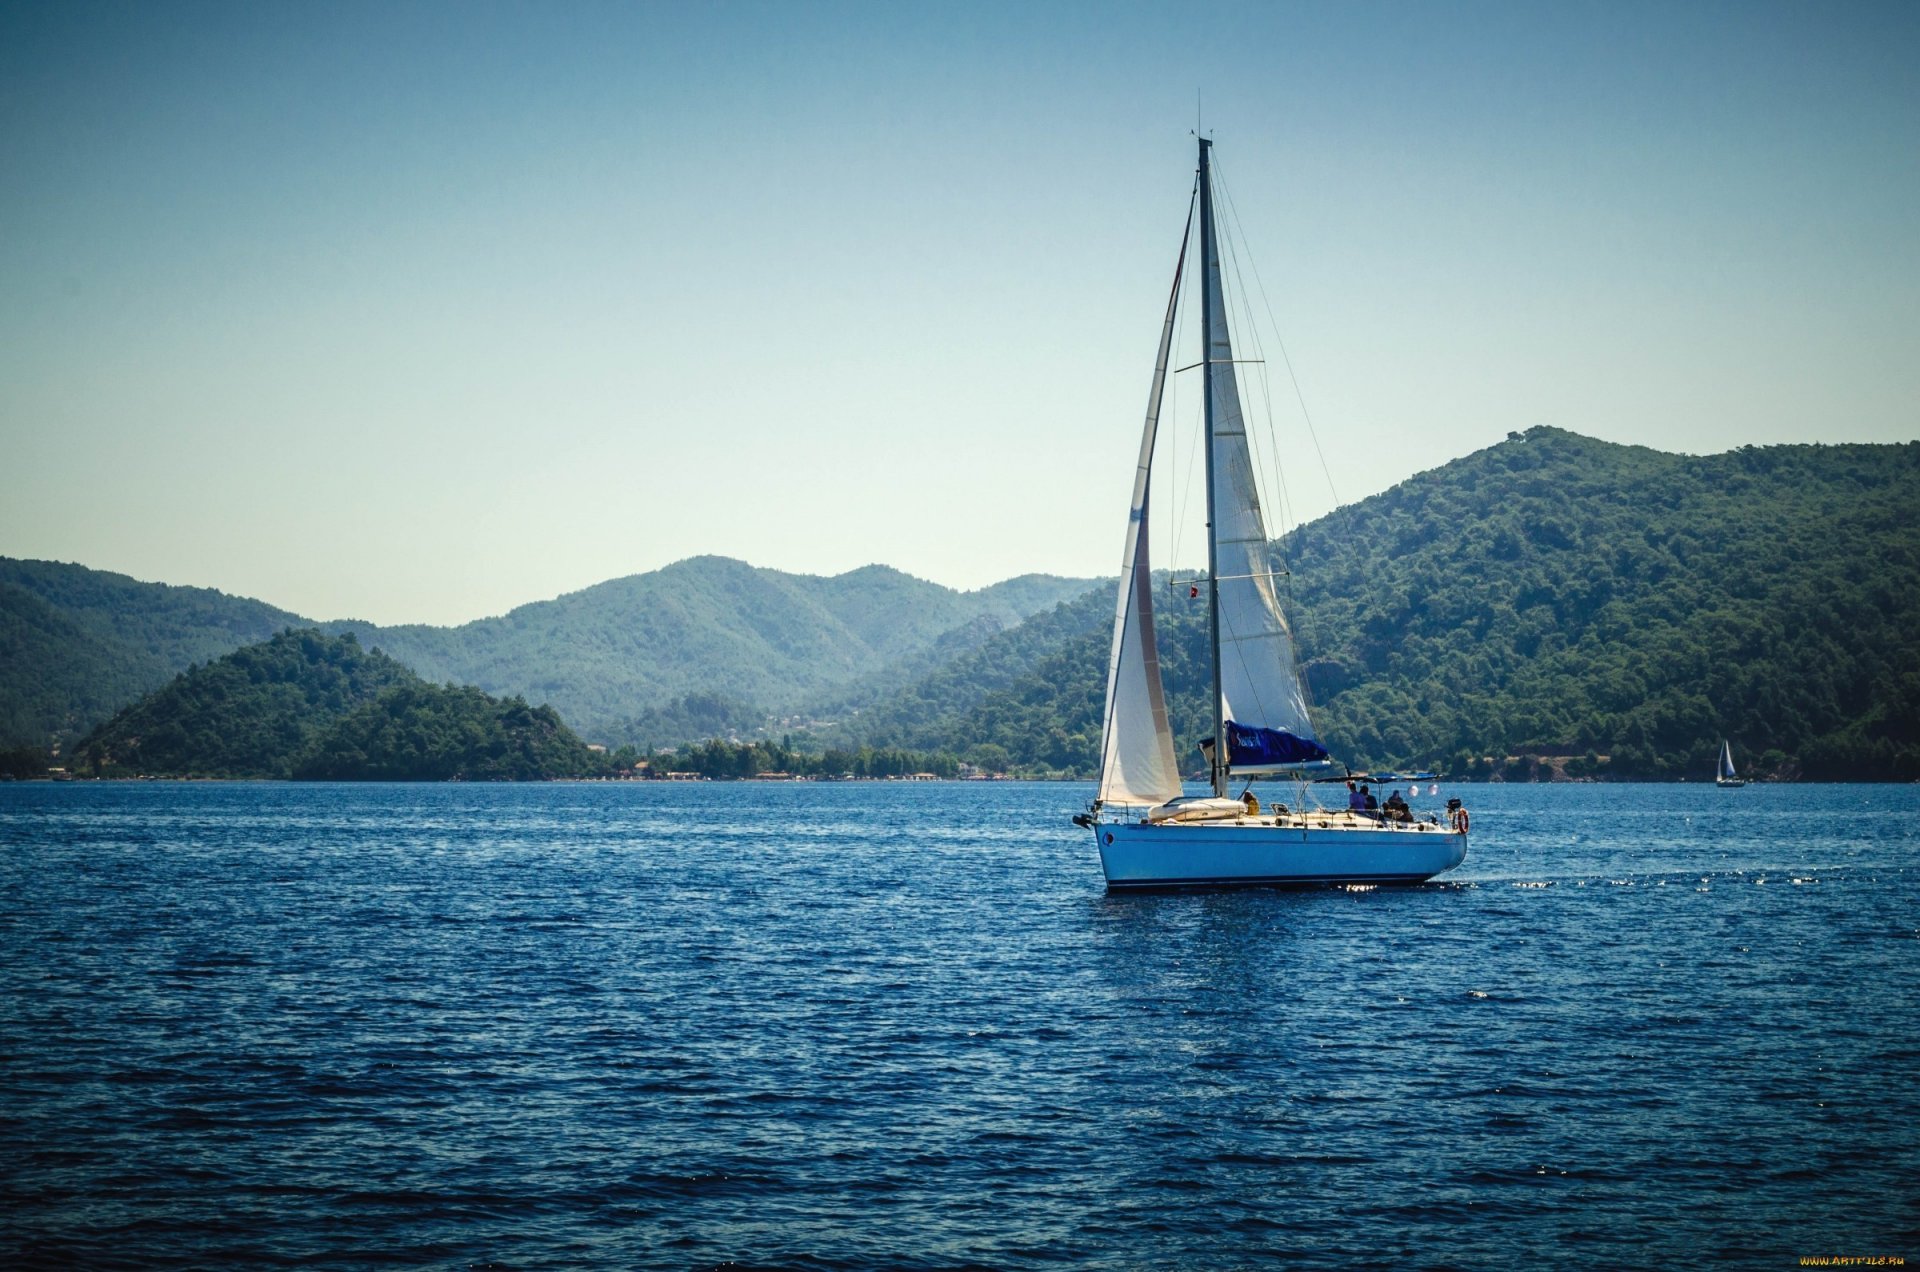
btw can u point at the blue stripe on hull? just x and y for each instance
(1223, 856)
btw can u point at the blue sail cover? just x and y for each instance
(1251, 747)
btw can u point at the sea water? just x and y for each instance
(904, 1026)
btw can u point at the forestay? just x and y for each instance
(1137, 764)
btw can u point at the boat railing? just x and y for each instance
(1278, 816)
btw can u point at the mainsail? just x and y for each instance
(1262, 709)
(1137, 764)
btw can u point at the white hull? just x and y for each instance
(1257, 851)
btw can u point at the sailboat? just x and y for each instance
(1726, 777)
(1148, 832)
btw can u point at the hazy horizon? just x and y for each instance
(418, 314)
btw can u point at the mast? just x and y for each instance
(1209, 265)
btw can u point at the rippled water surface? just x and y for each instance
(899, 1025)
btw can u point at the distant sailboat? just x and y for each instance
(1726, 776)
(1148, 833)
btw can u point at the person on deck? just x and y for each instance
(1397, 810)
(1356, 800)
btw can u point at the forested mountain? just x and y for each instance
(1015, 697)
(59, 676)
(175, 625)
(1552, 595)
(308, 705)
(77, 644)
(707, 625)
(252, 713)
(1558, 593)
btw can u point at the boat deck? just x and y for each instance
(1316, 819)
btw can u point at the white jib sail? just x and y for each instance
(1259, 686)
(1137, 764)
(1726, 758)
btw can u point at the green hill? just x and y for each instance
(77, 644)
(176, 626)
(60, 676)
(1014, 691)
(308, 705)
(1553, 595)
(252, 713)
(1617, 607)
(707, 625)
(435, 733)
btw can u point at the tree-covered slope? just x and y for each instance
(1553, 594)
(435, 733)
(1557, 594)
(175, 625)
(305, 704)
(708, 625)
(252, 713)
(76, 644)
(692, 717)
(1015, 689)
(60, 677)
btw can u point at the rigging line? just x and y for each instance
(1297, 632)
(1285, 358)
(1140, 539)
(1177, 503)
(1246, 328)
(1251, 680)
(1261, 553)
(1270, 453)
(1268, 447)
(1196, 466)
(1243, 295)
(1235, 644)
(1196, 470)
(1251, 329)
(1182, 494)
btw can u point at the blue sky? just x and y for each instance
(416, 312)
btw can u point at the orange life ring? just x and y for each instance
(1461, 820)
